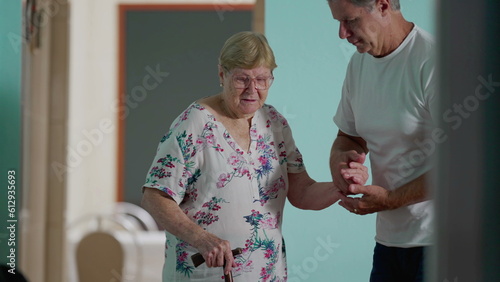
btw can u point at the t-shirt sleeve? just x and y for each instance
(429, 86)
(344, 117)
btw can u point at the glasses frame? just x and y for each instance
(269, 80)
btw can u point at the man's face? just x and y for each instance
(360, 26)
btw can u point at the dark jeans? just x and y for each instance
(391, 264)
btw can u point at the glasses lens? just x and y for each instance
(241, 81)
(261, 83)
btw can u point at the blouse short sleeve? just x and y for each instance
(168, 172)
(288, 148)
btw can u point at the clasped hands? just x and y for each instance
(350, 176)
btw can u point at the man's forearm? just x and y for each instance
(344, 143)
(412, 192)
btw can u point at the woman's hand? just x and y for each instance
(341, 161)
(357, 173)
(216, 251)
(169, 215)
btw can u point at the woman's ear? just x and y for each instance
(221, 74)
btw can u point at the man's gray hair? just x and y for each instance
(369, 3)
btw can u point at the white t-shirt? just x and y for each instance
(389, 102)
(238, 196)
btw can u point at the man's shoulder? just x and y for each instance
(424, 38)
(423, 32)
(356, 57)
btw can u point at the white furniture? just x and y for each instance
(123, 246)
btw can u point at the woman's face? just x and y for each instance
(245, 90)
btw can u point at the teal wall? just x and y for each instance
(10, 122)
(332, 244)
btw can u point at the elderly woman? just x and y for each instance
(223, 171)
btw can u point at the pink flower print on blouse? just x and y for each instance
(271, 191)
(268, 123)
(224, 178)
(159, 173)
(182, 264)
(239, 169)
(235, 160)
(260, 241)
(208, 216)
(269, 222)
(253, 132)
(185, 115)
(242, 264)
(275, 116)
(239, 164)
(210, 139)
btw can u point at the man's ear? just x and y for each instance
(383, 6)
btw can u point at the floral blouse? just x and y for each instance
(238, 196)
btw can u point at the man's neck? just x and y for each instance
(397, 33)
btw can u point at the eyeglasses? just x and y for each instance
(260, 82)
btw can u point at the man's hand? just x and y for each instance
(374, 199)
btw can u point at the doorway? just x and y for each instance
(168, 59)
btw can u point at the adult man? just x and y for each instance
(386, 109)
